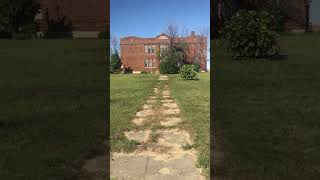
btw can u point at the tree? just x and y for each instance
(17, 15)
(307, 15)
(115, 62)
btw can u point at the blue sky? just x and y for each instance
(148, 18)
(315, 12)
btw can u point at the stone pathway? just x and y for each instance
(160, 154)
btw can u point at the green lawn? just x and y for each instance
(267, 113)
(52, 107)
(193, 97)
(127, 93)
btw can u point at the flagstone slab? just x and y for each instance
(171, 111)
(140, 136)
(182, 168)
(166, 97)
(139, 121)
(166, 101)
(170, 105)
(145, 113)
(170, 121)
(128, 167)
(163, 78)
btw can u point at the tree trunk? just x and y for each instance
(307, 17)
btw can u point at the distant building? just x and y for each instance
(87, 17)
(140, 53)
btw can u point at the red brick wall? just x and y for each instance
(133, 51)
(296, 15)
(85, 15)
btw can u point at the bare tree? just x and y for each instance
(172, 30)
(184, 31)
(201, 51)
(114, 44)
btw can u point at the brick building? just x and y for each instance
(140, 53)
(87, 17)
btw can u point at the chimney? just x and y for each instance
(193, 33)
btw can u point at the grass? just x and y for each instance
(267, 113)
(193, 98)
(128, 92)
(52, 107)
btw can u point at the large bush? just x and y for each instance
(252, 34)
(17, 18)
(169, 66)
(188, 72)
(171, 60)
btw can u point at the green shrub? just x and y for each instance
(252, 34)
(188, 72)
(169, 66)
(144, 72)
(102, 35)
(115, 61)
(196, 67)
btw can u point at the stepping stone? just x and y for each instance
(166, 93)
(172, 121)
(145, 113)
(163, 78)
(129, 167)
(151, 101)
(140, 136)
(152, 97)
(175, 137)
(139, 121)
(171, 111)
(156, 90)
(166, 101)
(176, 169)
(147, 106)
(166, 97)
(170, 105)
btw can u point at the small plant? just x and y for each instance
(128, 70)
(187, 146)
(144, 72)
(203, 161)
(252, 34)
(188, 72)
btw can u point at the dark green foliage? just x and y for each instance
(144, 72)
(115, 61)
(102, 35)
(17, 17)
(172, 59)
(252, 34)
(196, 67)
(188, 72)
(169, 66)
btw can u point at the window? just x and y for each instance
(148, 63)
(145, 49)
(145, 63)
(152, 49)
(149, 49)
